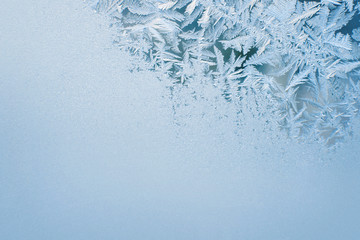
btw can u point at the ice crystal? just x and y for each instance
(304, 54)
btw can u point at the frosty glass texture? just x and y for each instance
(90, 150)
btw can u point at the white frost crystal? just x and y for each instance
(305, 54)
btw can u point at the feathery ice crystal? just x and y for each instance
(304, 54)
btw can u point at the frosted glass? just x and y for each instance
(91, 150)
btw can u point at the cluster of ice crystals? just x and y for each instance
(304, 54)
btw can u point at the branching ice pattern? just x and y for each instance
(304, 54)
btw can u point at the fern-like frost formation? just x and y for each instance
(304, 56)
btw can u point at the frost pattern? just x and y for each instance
(304, 54)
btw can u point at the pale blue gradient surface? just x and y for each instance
(89, 150)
